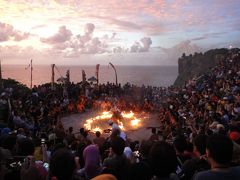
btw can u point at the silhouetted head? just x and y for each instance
(163, 159)
(219, 149)
(62, 165)
(117, 145)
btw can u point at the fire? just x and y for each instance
(129, 118)
(106, 115)
(120, 125)
(135, 122)
(97, 129)
(128, 115)
(88, 123)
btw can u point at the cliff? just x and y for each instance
(197, 64)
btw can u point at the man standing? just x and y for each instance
(115, 128)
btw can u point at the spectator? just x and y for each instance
(30, 169)
(180, 145)
(99, 140)
(163, 161)
(219, 154)
(140, 171)
(105, 177)
(25, 147)
(116, 160)
(92, 166)
(154, 136)
(128, 153)
(144, 150)
(116, 130)
(62, 165)
(192, 166)
(70, 136)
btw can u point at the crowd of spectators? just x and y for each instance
(198, 135)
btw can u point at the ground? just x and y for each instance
(140, 133)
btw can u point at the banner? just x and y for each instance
(83, 77)
(30, 64)
(97, 71)
(115, 72)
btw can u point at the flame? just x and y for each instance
(135, 122)
(128, 115)
(88, 123)
(120, 125)
(97, 129)
(106, 115)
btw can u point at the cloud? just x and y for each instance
(119, 50)
(61, 36)
(174, 52)
(126, 25)
(87, 44)
(15, 52)
(199, 38)
(135, 47)
(122, 24)
(39, 26)
(7, 32)
(144, 47)
(208, 35)
(89, 28)
(146, 41)
(111, 39)
(236, 25)
(73, 46)
(113, 35)
(93, 47)
(70, 46)
(183, 47)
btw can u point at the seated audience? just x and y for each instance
(219, 154)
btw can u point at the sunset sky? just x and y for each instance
(125, 32)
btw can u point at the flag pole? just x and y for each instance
(97, 72)
(53, 74)
(1, 81)
(31, 73)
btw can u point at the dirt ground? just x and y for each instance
(140, 133)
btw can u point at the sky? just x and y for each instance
(124, 32)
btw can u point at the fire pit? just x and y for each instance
(135, 124)
(126, 121)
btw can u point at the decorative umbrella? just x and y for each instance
(92, 79)
(61, 79)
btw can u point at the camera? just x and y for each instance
(43, 141)
(13, 132)
(16, 162)
(46, 166)
(136, 154)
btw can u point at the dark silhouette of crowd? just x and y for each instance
(198, 136)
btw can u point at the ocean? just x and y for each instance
(138, 75)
